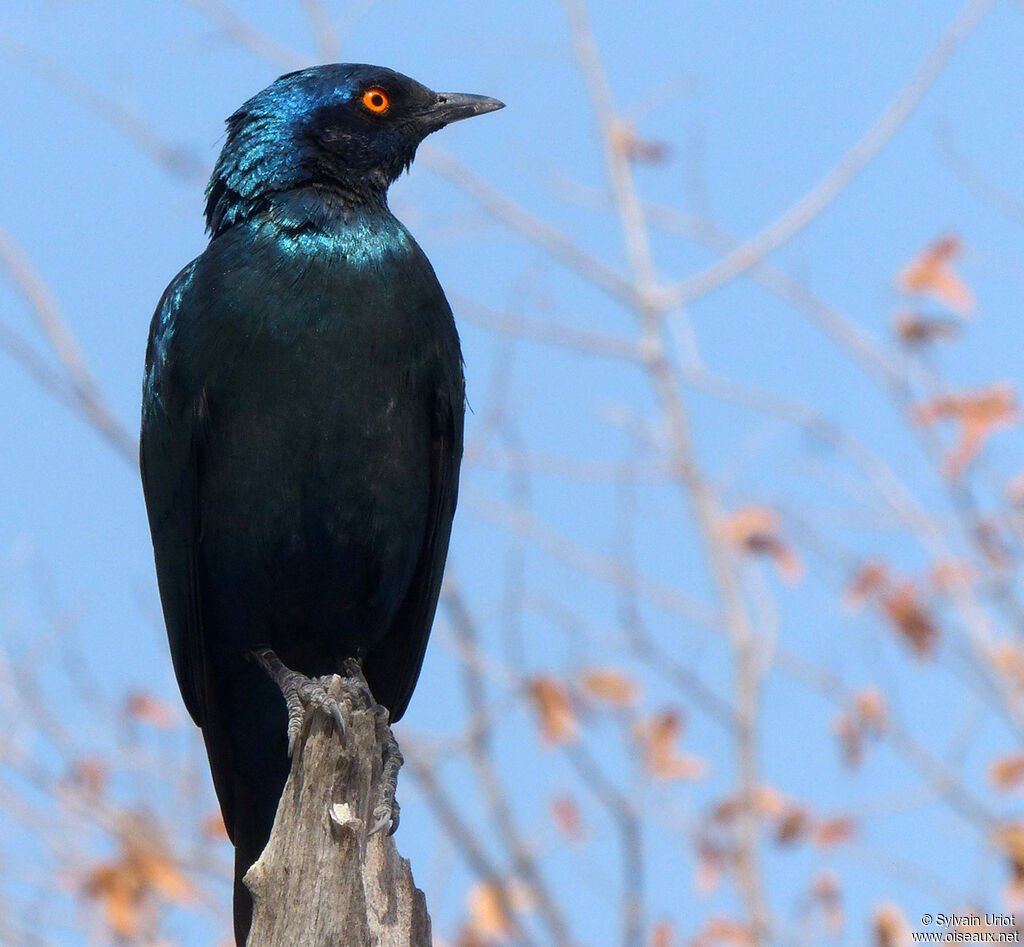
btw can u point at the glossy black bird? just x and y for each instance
(302, 426)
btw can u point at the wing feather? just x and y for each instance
(393, 666)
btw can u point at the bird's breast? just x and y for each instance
(322, 380)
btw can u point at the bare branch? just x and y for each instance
(81, 383)
(526, 224)
(464, 838)
(328, 42)
(800, 214)
(177, 160)
(481, 757)
(584, 341)
(974, 180)
(686, 468)
(630, 831)
(240, 31)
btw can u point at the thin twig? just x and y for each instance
(942, 781)
(517, 325)
(177, 160)
(800, 214)
(463, 837)
(325, 34)
(685, 465)
(482, 760)
(528, 225)
(979, 184)
(44, 308)
(240, 31)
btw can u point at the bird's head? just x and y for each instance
(348, 127)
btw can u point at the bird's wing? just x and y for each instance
(173, 430)
(392, 667)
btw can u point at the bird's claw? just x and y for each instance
(386, 816)
(387, 811)
(300, 694)
(355, 682)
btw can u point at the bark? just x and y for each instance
(321, 881)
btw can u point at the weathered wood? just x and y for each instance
(321, 882)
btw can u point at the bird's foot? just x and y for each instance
(387, 810)
(301, 693)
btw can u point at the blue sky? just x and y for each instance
(769, 96)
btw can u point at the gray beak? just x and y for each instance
(455, 106)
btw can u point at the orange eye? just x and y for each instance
(376, 100)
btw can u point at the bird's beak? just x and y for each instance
(455, 106)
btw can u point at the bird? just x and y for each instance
(302, 430)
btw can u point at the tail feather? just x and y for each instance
(253, 823)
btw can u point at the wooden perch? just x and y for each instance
(321, 881)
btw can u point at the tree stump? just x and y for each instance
(321, 882)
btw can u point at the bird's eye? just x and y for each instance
(376, 100)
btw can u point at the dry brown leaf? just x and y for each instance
(566, 816)
(1009, 837)
(769, 801)
(663, 934)
(850, 730)
(611, 687)
(951, 574)
(992, 542)
(626, 141)
(979, 413)
(550, 698)
(726, 810)
(143, 875)
(825, 892)
(911, 619)
(1007, 772)
(212, 827)
(890, 926)
(1015, 489)
(90, 775)
(867, 715)
(162, 874)
(120, 893)
(723, 932)
(914, 329)
(792, 826)
(869, 579)
(870, 706)
(148, 709)
(487, 917)
(1008, 660)
(904, 606)
(658, 736)
(931, 273)
(468, 937)
(756, 530)
(711, 862)
(829, 833)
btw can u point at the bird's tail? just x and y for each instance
(253, 823)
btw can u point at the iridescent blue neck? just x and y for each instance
(307, 222)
